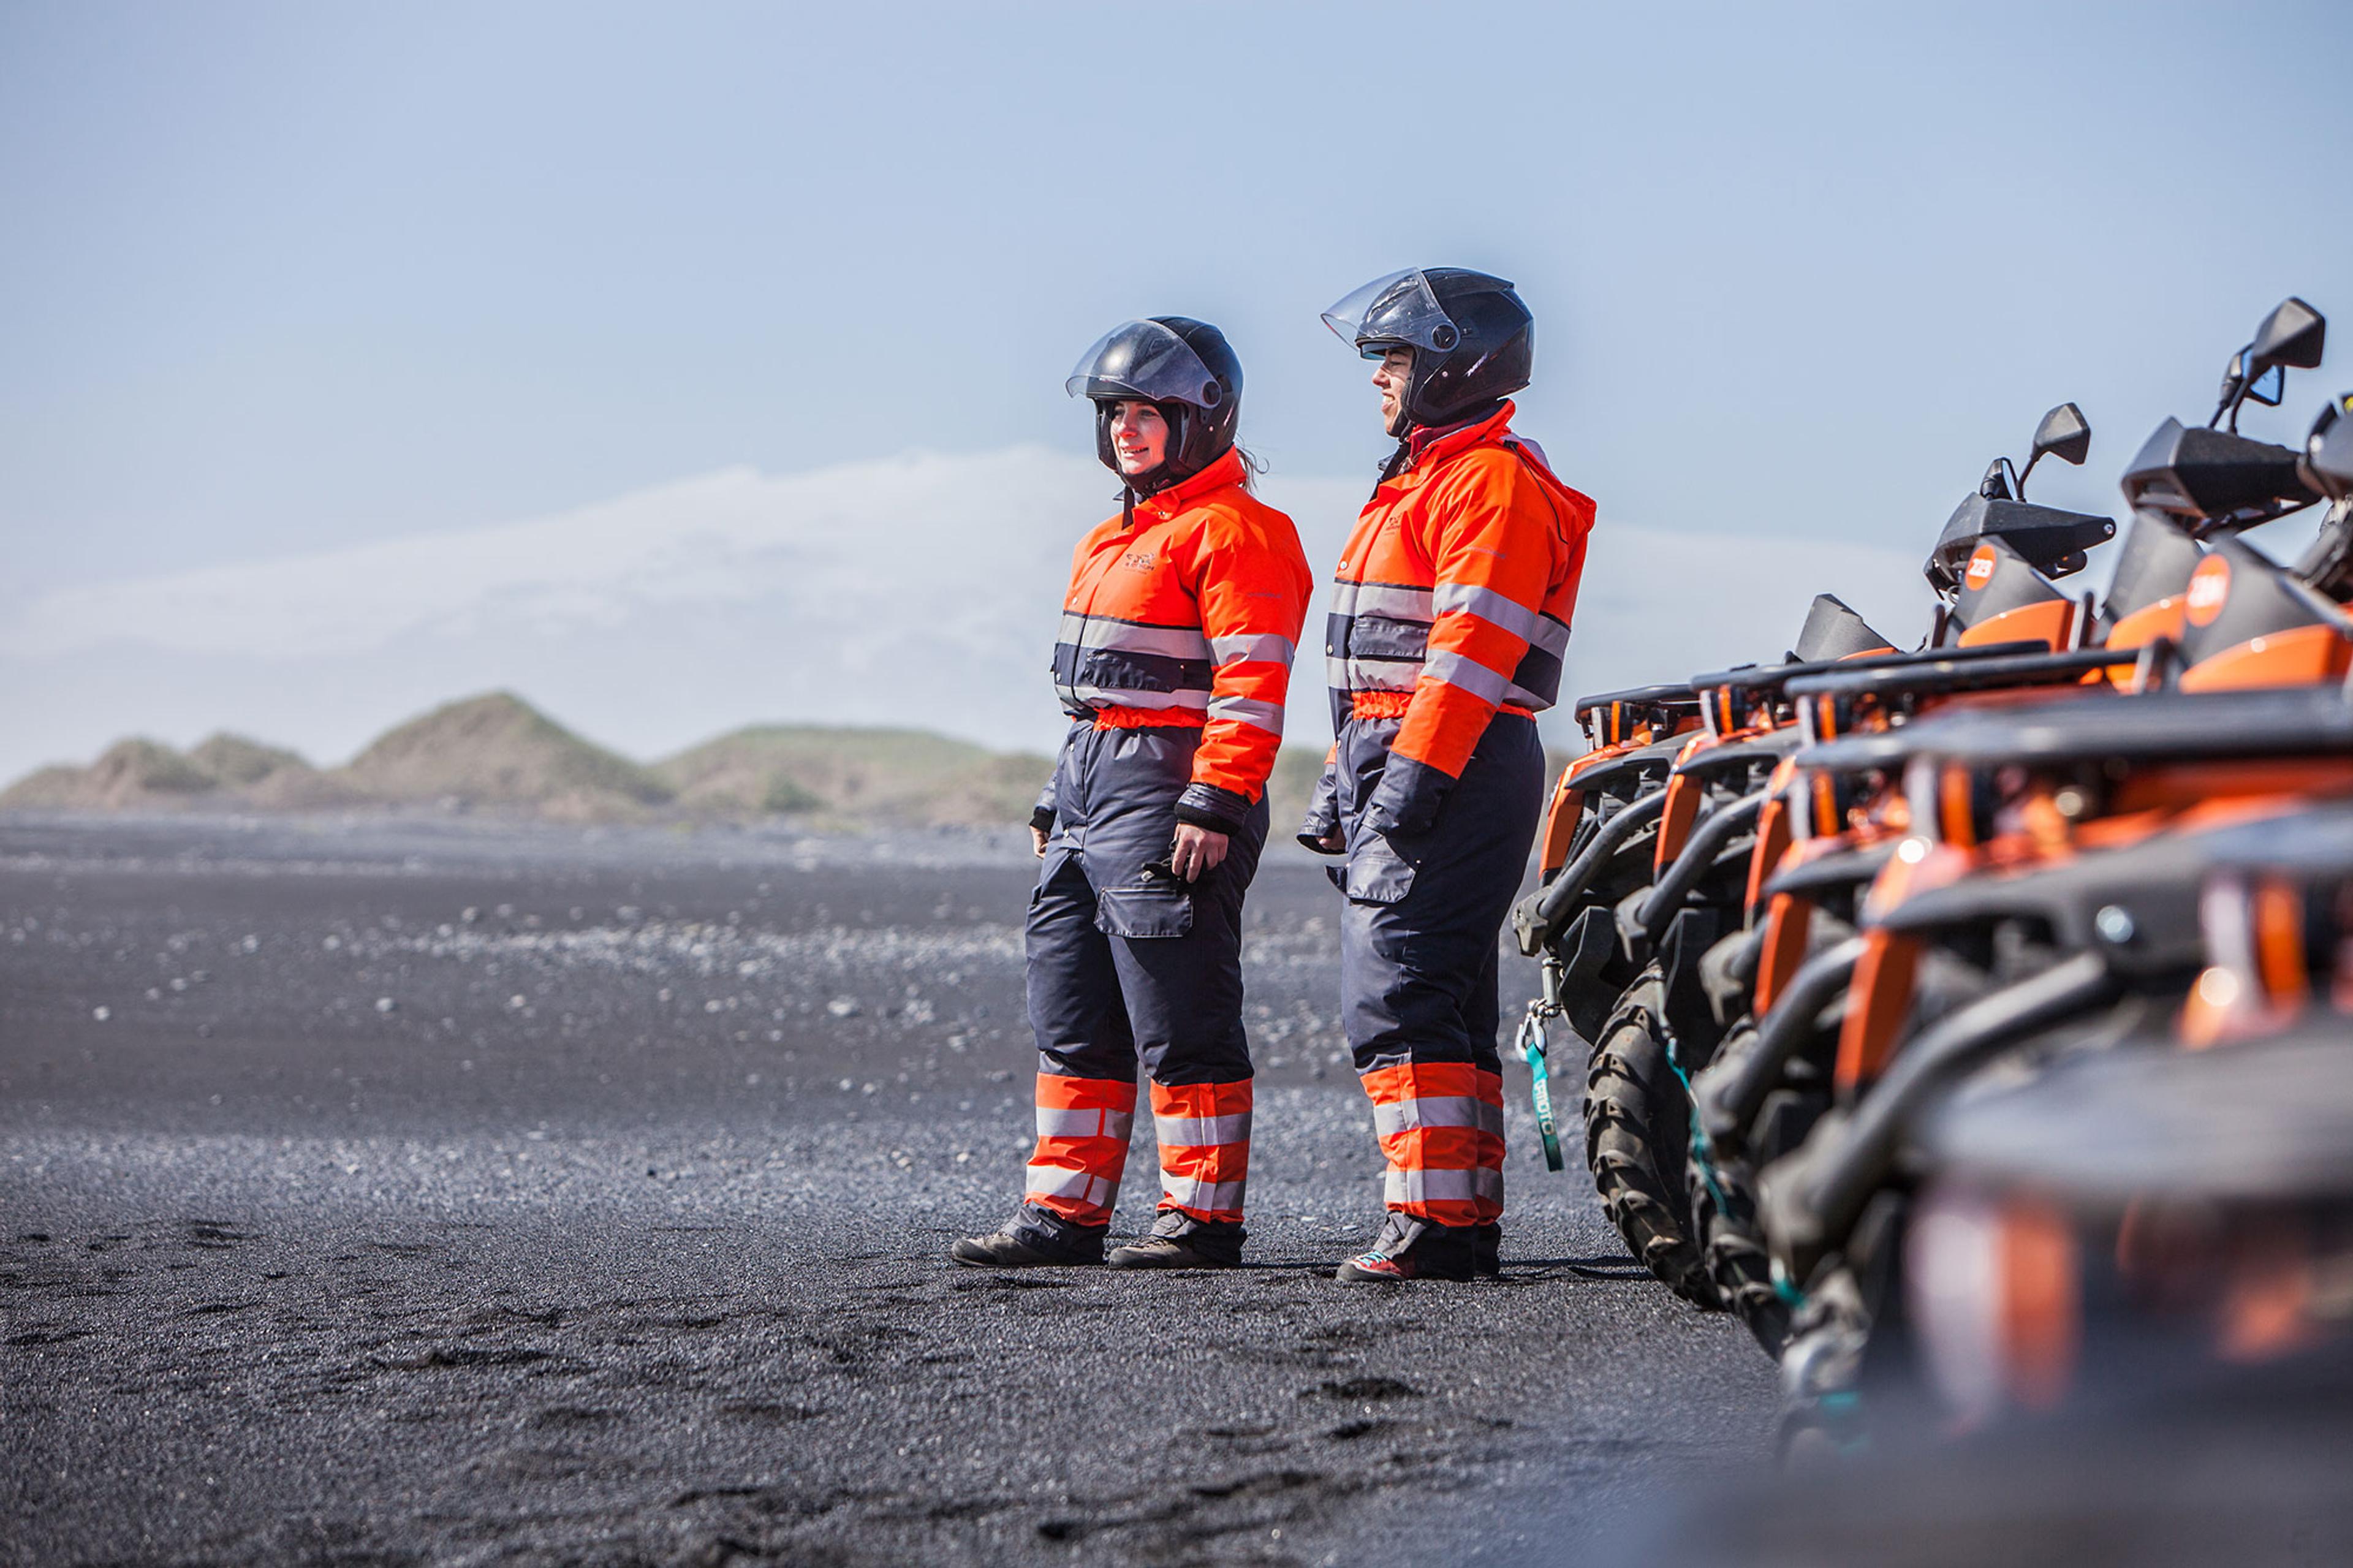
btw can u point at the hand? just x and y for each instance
(1197, 850)
(1334, 842)
(1038, 842)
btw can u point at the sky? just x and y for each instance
(656, 344)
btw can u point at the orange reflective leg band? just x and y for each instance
(1082, 1127)
(1442, 1126)
(1205, 1132)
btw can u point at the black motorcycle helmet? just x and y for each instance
(1473, 339)
(1184, 368)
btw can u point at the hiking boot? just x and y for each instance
(1412, 1248)
(1487, 1251)
(1033, 1239)
(1181, 1241)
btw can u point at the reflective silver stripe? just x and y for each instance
(1202, 1131)
(1488, 606)
(1120, 697)
(1082, 1123)
(1372, 674)
(1438, 1110)
(1260, 647)
(1060, 1182)
(1266, 716)
(1390, 601)
(1089, 632)
(1551, 634)
(1441, 1187)
(1460, 670)
(1186, 1193)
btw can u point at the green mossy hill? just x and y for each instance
(901, 776)
(129, 776)
(52, 789)
(498, 750)
(235, 760)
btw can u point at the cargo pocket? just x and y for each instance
(1134, 913)
(1376, 872)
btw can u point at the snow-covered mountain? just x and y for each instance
(918, 591)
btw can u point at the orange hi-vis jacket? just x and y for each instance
(1190, 615)
(1453, 600)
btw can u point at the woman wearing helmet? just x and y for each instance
(1450, 616)
(1175, 652)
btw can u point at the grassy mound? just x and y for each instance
(905, 776)
(499, 750)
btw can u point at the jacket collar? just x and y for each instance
(1227, 470)
(1430, 447)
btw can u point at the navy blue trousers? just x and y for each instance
(1419, 967)
(1122, 968)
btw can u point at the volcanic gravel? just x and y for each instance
(431, 1192)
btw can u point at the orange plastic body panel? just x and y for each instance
(1878, 1001)
(2301, 655)
(2150, 621)
(1567, 809)
(2271, 1305)
(2050, 623)
(2040, 1300)
(1788, 922)
(1567, 806)
(1683, 795)
(1675, 819)
(2279, 943)
(1957, 808)
(1772, 842)
(2182, 785)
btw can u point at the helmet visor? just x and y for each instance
(1146, 360)
(1400, 308)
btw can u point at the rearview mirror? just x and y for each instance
(2294, 334)
(2268, 388)
(1999, 483)
(2064, 434)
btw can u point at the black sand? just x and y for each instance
(430, 1193)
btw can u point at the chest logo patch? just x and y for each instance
(1138, 559)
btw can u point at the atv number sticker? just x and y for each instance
(2210, 590)
(1981, 565)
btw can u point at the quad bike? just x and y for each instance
(2126, 1283)
(2049, 905)
(2052, 856)
(1851, 811)
(2181, 1203)
(1651, 957)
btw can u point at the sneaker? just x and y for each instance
(1181, 1241)
(1029, 1240)
(1412, 1248)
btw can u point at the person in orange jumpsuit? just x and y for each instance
(1451, 612)
(1174, 658)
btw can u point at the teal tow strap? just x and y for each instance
(1533, 1045)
